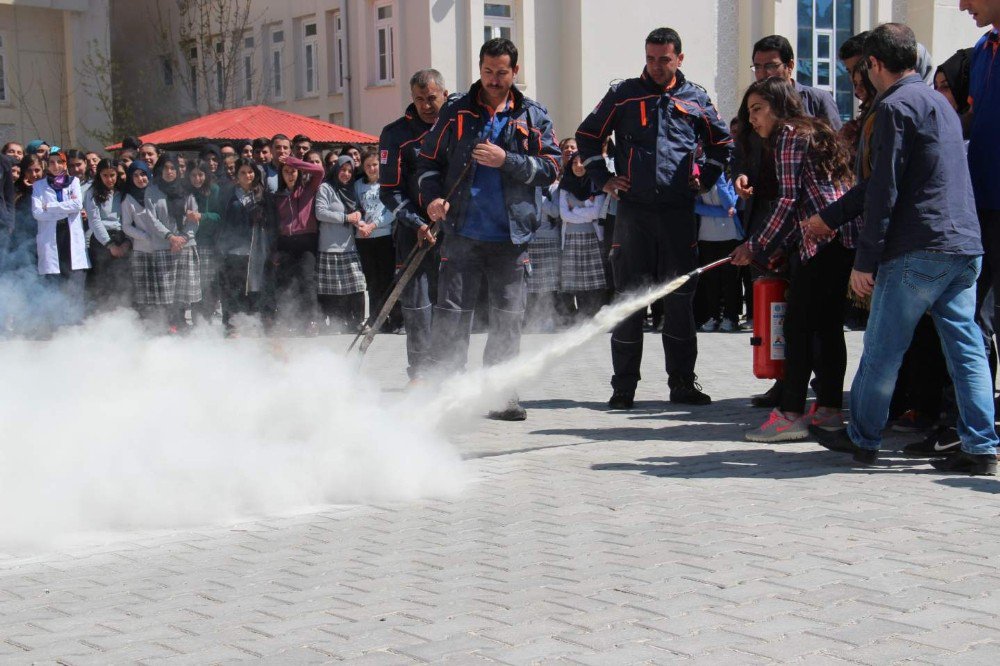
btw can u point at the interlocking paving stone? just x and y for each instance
(588, 537)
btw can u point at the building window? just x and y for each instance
(220, 75)
(193, 72)
(385, 48)
(168, 71)
(310, 76)
(338, 50)
(248, 45)
(4, 95)
(823, 26)
(498, 20)
(277, 63)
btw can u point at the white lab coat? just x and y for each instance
(48, 210)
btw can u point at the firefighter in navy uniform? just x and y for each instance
(399, 145)
(659, 121)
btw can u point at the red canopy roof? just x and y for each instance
(248, 123)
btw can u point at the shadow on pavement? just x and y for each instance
(979, 484)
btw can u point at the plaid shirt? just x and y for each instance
(803, 191)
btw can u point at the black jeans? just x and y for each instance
(719, 290)
(814, 328)
(233, 288)
(109, 281)
(652, 245)
(465, 263)
(294, 282)
(378, 262)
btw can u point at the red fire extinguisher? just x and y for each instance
(769, 304)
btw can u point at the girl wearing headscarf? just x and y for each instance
(294, 258)
(20, 280)
(57, 206)
(108, 280)
(581, 269)
(207, 197)
(244, 239)
(341, 282)
(952, 80)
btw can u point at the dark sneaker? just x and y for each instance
(967, 463)
(622, 400)
(942, 442)
(838, 441)
(769, 398)
(688, 392)
(912, 421)
(513, 412)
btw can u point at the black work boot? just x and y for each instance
(967, 463)
(622, 400)
(687, 391)
(769, 398)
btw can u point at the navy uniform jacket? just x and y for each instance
(398, 148)
(657, 131)
(532, 159)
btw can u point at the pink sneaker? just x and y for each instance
(829, 421)
(780, 428)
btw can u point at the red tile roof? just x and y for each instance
(250, 122)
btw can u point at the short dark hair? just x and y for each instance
(299, 138)
(280, 137)
(261, 142)
(853, 47)
(662, 36)
(894, 45)
(775, 43)
(131, 143)
(496, 47)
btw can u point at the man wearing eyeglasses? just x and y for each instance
(755, 182)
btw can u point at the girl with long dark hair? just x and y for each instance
(812, 168)
(245, 236)
(207, 197)
(108, 280)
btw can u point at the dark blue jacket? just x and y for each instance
(919, 195)
(532, 160)
(657, 131)
(398, 149)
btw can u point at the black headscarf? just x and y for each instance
(344, 192)
(137, 193)
(581, 188)
(177, 190)
(214, 150)
(956, 73)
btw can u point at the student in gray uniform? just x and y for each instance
(108, 284)
(581, 274)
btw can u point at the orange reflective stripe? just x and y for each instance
(642, 112)
(461, 125)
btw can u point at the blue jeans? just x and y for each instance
(906, 287)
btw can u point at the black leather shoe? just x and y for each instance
(688, 392)
(513, 412)
(622, 400)
(837, 440)
(769, 399)
(967, 463)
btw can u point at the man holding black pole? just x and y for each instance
(659, 121)
(479, 171)
(399, 147)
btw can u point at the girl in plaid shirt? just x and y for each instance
(813, 170)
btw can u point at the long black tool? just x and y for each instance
(413, 261)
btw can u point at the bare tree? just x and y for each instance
(100, 79)
(204, 41)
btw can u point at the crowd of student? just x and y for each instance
(540, 233)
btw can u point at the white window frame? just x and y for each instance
(339, 48)
(829, 34)
(276, 61)
(246, 66)
(4, 79)
(496, 24)
(385, 30)
(219, 49)
(310, 54)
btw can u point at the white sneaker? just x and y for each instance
(727, 326)
(709, 326)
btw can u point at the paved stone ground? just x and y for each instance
(588, 538)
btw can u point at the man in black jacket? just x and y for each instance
(399, 146)
(659, 120)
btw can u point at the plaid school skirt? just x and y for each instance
(208, 264)
(339, 274)
(165, 278)
(582, 268)
(544, 256)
